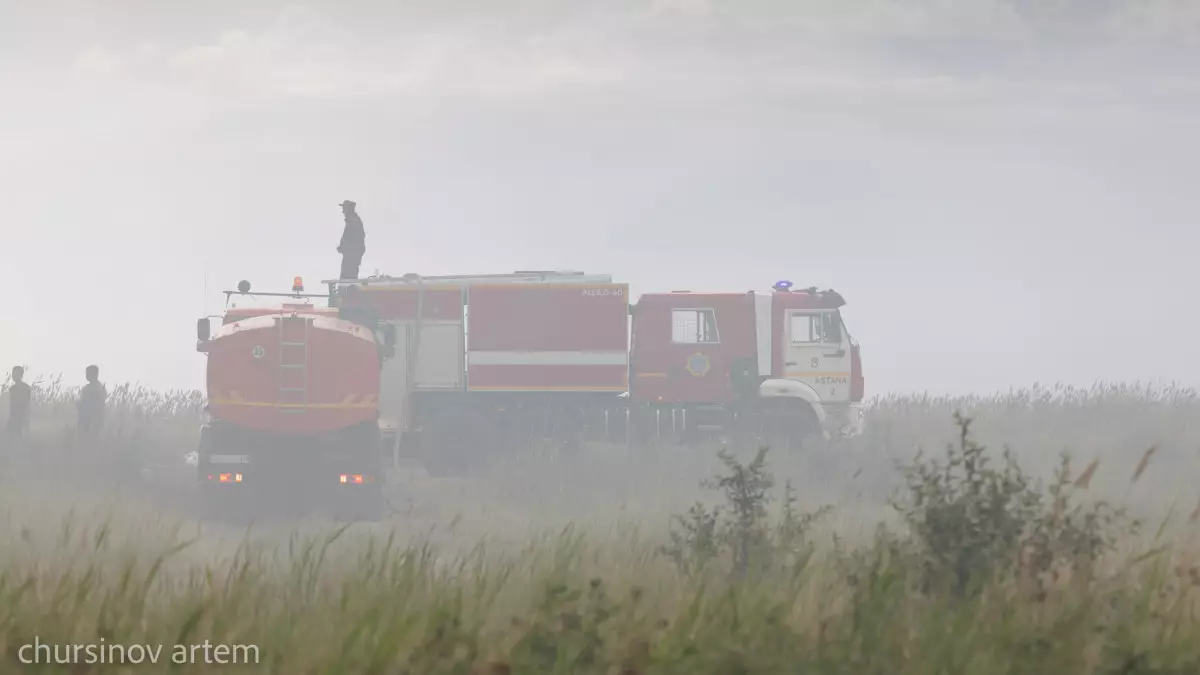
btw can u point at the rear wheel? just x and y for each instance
(366, 501)
(457, 444)
(652, 427)
(362, 504)
(212, 496)
(548, 428)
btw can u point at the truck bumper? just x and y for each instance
(233, 461)
(844, 421)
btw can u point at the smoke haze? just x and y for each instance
(1000, 189)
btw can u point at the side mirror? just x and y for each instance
(833, 328)
(203, 329)
(389, 334)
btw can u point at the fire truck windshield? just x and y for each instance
(816, 327)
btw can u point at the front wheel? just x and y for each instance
(788, 426)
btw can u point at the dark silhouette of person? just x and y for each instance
(20, 402)
(354, 242)
(92, 399)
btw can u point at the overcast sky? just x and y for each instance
(1005, 191)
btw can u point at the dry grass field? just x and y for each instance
(862, 558)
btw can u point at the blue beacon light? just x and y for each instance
(783, 285)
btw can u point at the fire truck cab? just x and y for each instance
(780, 364)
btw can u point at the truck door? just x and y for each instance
(817, 352)
(697, 370)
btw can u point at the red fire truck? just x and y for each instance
(311, 399)
(293, 401)
(485, 362)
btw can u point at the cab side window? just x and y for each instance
(694, 326)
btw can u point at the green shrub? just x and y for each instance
(972, 520)
(741, 530)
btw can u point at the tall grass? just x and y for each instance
(981, 568)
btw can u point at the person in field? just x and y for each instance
(354, 242)
(92, 399)
(20, 402)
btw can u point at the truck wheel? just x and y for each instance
(788, 426)
(215, 501)
(570, 429)
(208, 502)
(458, 445)
(643, 431)
(365, 504)
(372, 505)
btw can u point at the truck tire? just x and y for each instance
(788, 426)
(458, 444)
(208, 502)
(365, 502)
(214, 501)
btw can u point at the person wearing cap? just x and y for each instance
(353, 244)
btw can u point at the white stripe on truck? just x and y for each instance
(546, 358)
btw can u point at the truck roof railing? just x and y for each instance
(229, 294)
(514, 277)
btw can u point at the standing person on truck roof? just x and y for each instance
(20, 401)
(92, 399)
(354, 242)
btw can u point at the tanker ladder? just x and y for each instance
(287, 386)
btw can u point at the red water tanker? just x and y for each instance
(293, 396)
